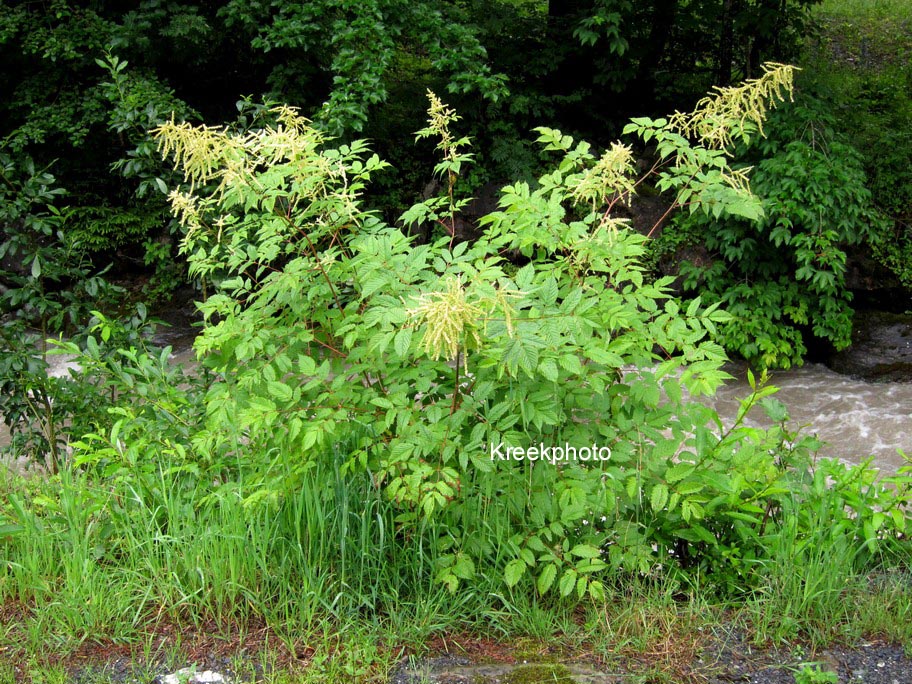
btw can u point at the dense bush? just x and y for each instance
(47, 286)
(333, 330)
(332, 335)
(782, 278)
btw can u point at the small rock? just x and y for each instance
(190, 676)
(881, 348)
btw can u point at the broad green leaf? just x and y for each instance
(280, 391)
(464, 568)
(567, 582)
(402, 342)
(659, 497)
(581, 583)
(585, 551)
(596, 590)
(678, 472)
(549, 369)
(571, 363)
(514, 571)
(546, 578)
(688, 488)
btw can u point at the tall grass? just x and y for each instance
(98, 559)
(329, 566)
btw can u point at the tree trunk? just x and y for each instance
(564, 9)
(573, 62)
(726, 45)
(664, 15)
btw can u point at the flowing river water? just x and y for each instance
(854, 418)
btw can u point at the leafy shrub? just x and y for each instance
(99, 228)
(782, 278)
(47, 286)
(45, 410)
(811, 673)
(358, 48)
(333, 331)
(153, 406)
(342, 355)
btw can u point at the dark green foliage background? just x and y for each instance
(357, 68)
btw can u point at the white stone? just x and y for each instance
(189, 676)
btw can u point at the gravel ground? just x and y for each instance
(724, 662)
(733, 660)
(728, 661)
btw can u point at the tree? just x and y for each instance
(73, 101)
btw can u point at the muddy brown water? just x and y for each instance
(854, 418)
